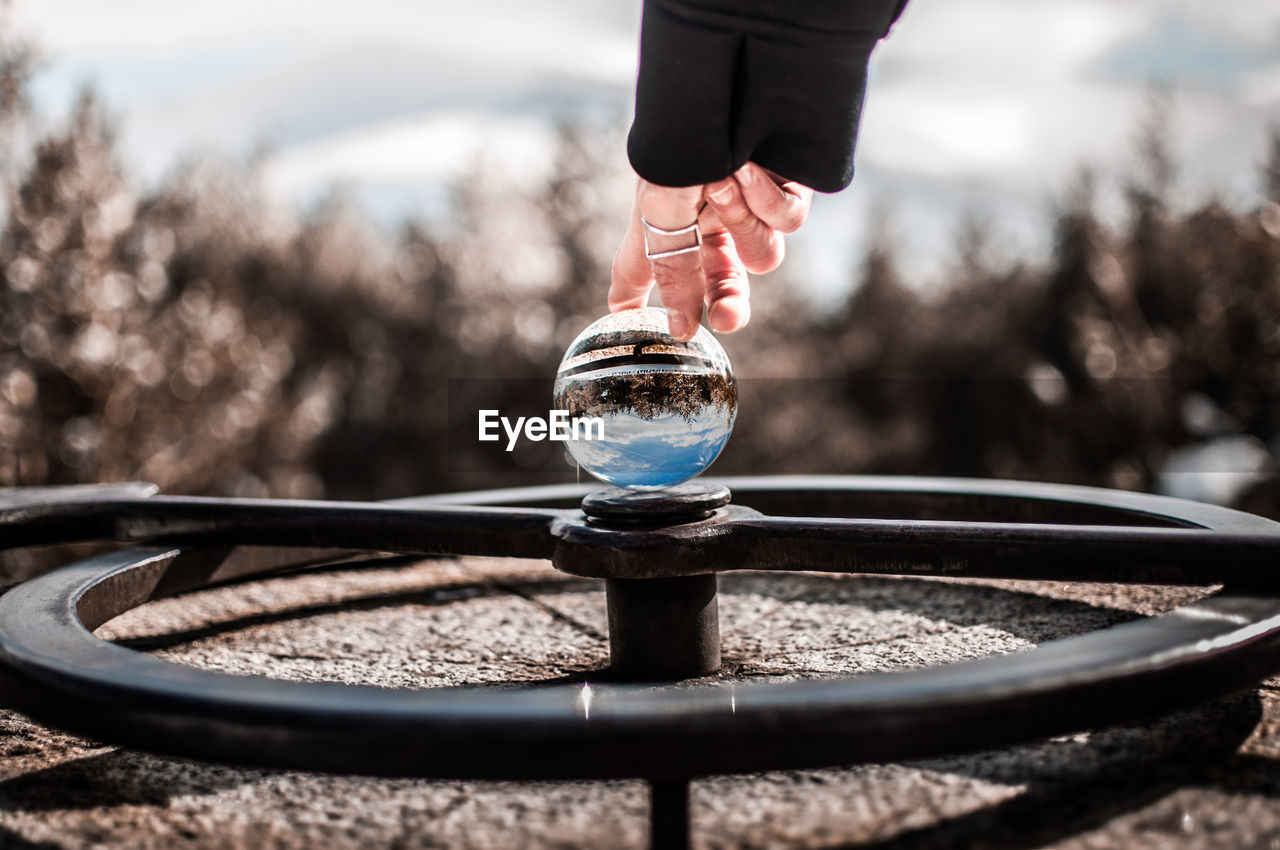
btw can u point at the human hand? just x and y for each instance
(742, 220)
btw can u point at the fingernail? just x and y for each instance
(679, 325)
(745, 175)
(722, 195)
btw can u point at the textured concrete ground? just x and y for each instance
(1204, 778)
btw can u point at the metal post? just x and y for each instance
(669, 815)
(663, 629)
(660, 629)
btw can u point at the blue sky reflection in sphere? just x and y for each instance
(668, 407)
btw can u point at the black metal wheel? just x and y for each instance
(57, 670)
(54, 669)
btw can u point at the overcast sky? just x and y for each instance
(985, 106)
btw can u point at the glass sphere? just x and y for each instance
(667, 407)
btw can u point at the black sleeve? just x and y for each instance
(776, 82)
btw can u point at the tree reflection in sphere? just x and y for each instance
(668, 407)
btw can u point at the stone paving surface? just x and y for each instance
(1204, 778)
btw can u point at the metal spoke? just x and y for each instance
(427, 530)
(1008, 550)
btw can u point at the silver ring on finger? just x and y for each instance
(672, 252)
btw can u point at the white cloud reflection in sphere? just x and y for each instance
(668, 407)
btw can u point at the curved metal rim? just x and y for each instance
(57, 671)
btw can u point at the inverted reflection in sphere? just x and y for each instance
(668, 407)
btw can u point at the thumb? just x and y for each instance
(632, 276)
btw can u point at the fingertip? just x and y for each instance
(766, 257)
(729, 314)
(681, 328)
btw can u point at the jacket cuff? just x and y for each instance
(718, 87)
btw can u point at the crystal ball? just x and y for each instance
(664, 408)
